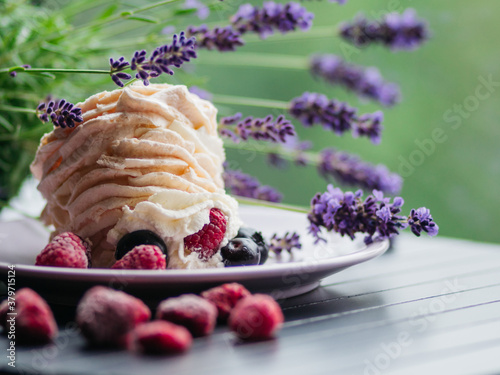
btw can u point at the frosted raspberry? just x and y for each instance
(65, 250)
(34, 322)
(143, 257)
(161, 337)
(207, 240)
(256, 317)
(191, 311)
(106, 316)
(225, 297)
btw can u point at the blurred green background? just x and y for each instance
(442, 84)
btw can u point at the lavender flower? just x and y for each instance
(244, 185)
(62, 113)
(421, 220)
(264, 129)
(272, 16)
(349, 169)
(203, 94)
(397, 31)
(13, 74)
(202, 11)
(221, 38)
(294, 148)
(180, 51)
(347, 214)
(311, 108)
(287, 243)
(366, 82)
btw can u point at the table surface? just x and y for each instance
(428, 306)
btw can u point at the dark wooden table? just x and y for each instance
(430, 306)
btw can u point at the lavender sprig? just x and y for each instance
(244, 185)
(350, 170)
(203, 94)
(62, 114)
(312, 108)
(397, 31)
(366, 82)
(347, 214)
(180, 51)
(295, 148)
(261, 129)
(272, 16)
(222, 39)
(287, 243)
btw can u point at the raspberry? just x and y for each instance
(106, 316)
(256, 317)
(193, 312)
(65, 250)
(34, 322)
(207, 241)
(161, 337)
(225, 297)
(143, 257)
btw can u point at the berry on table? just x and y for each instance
(143, 257)
(34, 321)
(65, 250)
(225, 297)
(207, 240)
(195, 313)
(105, 316)
(136, 238)
(240, 252)
(161, 337)
(256, 317)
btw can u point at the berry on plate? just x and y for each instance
(136, 238)
(106, 316)
(207, 240)
(256, 317)
(247, 232)
(65, 250)
(161, 337)
(225, 297)
(240, 252)
(197, 314)
(143, 257)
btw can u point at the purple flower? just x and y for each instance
(220, 38)
(349, 169)
(244, 185)
(261, 129)
(366, 82)
(202, 10)
(347, 214)
(61, 113)
(272, 16)
(180, 51)
(203, 94)
(295, 149)
(287, 243)
(421, 220)
(397, 31)
(311, 108)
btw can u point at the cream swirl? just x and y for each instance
(145, 157)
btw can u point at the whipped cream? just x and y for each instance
(145, 157)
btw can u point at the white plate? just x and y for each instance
(21, 241)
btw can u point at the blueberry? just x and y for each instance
(247, 232)
(139, 237)
(240, 252)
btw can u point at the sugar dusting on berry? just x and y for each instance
(35, 323)
(144, 257)
(65, 250)
(256, 317)
(161, 337)
(207, 240)
(225, 297)
(105, 316)
(197, 314)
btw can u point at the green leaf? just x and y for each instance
(6, 124)
(143, 19)
(108, 12)
(183, 12)
(126, 14)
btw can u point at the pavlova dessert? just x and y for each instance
(138, 184)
